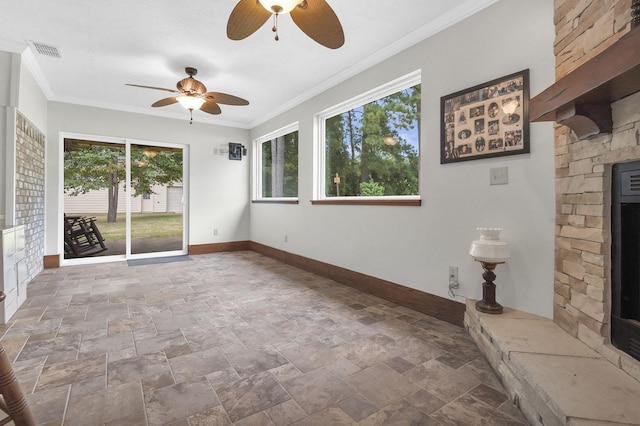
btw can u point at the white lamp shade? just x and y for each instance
(190, 102)
(489, 248)
(279, 6)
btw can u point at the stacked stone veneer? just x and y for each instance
(584, 28)
(29, 187)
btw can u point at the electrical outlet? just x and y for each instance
(453, 274)
(215, 231)
(286, 238)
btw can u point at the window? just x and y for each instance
(369, 146)
(277, 165)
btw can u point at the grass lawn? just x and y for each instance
(143, 225)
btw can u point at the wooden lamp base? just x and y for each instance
(488, 304)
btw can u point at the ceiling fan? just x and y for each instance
(193, 95)
(314, 17)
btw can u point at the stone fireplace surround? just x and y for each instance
(583, 222)
(582, 287)
(566, 371)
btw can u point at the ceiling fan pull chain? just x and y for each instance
(275, 25)
(191, 114)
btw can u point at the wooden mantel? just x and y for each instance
(582, 99)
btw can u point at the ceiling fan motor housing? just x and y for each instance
(191, 86)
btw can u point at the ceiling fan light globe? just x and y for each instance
(190, 102)
(279, 6)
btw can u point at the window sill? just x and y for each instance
(276, 201)
(369, 202)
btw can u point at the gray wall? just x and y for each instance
(7, 114)
(414, 246)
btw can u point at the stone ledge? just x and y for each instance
(551, 376)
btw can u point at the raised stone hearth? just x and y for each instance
(553, 378)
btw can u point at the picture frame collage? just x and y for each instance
(487, 120)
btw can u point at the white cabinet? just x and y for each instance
(14, 273)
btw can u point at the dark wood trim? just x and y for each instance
(436, 306)
(277, 254)
(263, 201)
(582, 99)
(218, 247)
(51, 261)
(365, 202)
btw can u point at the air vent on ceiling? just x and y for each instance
(47, 50)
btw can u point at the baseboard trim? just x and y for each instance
(436, 306)
(218, 247)
(51, 261)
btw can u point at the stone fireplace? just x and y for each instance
(583, 265)
(574, 370)
(625, 258)
(583, 276)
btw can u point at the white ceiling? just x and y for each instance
(105, 44)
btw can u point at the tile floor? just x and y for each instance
(238, 338)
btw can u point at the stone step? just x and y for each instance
(553, 377)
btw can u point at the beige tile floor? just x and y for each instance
(238, 338)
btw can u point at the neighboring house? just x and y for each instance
(164, 199)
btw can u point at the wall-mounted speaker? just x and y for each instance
(236, 151)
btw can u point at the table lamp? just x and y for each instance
(489, 251)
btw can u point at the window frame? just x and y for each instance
(257, 169)
(319, 169)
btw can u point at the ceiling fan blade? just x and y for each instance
(165, 102)
(211, 107)
(223, 98)
(318, 20)
(151, 87)
(245, 19)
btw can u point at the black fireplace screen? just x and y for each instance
(625, 257)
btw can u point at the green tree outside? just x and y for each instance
(356, 148)
(93, 166)
(280, 166)
(371, 189)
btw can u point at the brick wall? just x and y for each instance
(29, 181)
(585, 28)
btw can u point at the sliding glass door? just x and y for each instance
(123, 199)
(156, 199)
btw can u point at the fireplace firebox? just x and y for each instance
(625, 258)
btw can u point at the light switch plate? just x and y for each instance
(499, 176)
